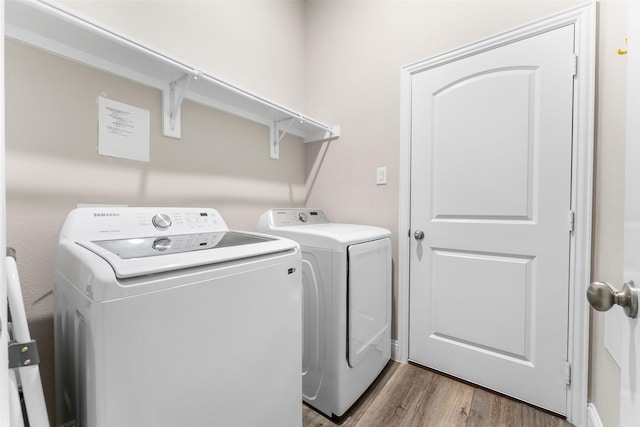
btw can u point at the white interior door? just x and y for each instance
(627, 330)
(491, 141)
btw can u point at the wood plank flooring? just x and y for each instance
(407, 395)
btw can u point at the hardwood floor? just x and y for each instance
(408, 395)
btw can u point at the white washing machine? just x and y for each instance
(346, 278)
(164, 318)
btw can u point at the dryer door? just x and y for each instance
(369, 299)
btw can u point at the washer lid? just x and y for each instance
(165, 245)
(146, 255)
(136, 241)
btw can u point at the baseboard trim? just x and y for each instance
(593, 418)
(394, 351)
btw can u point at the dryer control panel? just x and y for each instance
(289, 217)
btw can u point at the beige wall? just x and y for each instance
(338, 61)
(258, 45)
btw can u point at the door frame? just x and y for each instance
(4, 371)
(584, 19)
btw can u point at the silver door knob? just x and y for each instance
(602, 296)
(418, 235)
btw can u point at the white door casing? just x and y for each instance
(583, 20)
(4, 363)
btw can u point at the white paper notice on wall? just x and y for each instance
(123, 130)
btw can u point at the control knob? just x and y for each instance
(302, 217)
(161, 221)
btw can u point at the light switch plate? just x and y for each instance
(381, 176)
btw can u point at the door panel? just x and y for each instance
(496, 187)
(469, 316)
(491, 145)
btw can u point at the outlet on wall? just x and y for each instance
(381, 175)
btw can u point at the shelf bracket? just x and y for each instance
(172, 97)
(329, 134)
(278, 130)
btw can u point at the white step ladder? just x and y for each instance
(24, 372)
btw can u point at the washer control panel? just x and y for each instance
(289, 217)
(126, 222)
(183, 219)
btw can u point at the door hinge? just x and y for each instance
(567, 372)
(572, 221)
(574, 65)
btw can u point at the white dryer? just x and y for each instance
(346, 278)
(164, 318)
